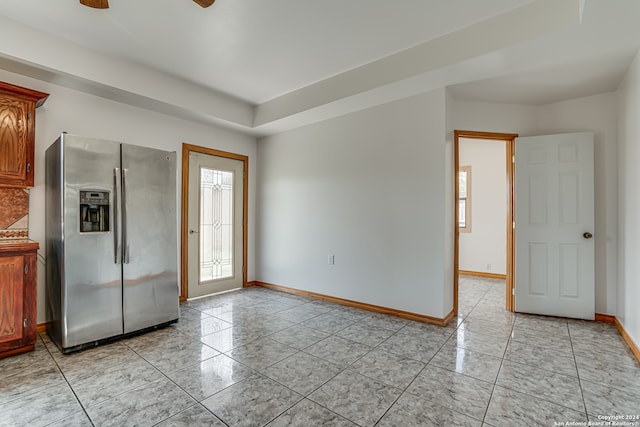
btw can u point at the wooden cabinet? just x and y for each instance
(18, 258)
(17, 134)
(18, 277)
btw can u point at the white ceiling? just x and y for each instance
(253, 49)
(272, 55)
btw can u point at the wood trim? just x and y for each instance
(17, 351)
(635, 349)
(250, 284)
(456, 213)
(484, 135)
(446, 319)
(42, 327)
(184, 225)
(511, 232)
(18, 247)
(361, 305)
(482, 274)
(35, 96)
(509, 139)
(606, 318)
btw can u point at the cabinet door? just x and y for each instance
(16, 142)
(11, 300)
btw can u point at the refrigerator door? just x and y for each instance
(149, 237)
(54, 198)
(91, 287)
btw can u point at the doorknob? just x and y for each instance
(193, 232)
(587, 235)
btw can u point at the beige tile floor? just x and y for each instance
(258, 357)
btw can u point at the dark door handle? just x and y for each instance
(587, 235)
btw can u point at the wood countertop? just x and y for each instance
(18, 245)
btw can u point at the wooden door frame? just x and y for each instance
(509, 139)
(187, 149)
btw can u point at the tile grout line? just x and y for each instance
(585, 412)
(351, 364)
(198, 402)
(487, 297)
(427, 364)
(335, 334)
(260, 372)
(573, 353)
(255, 371)
(29, 393)
(495, 383)
(304, 396)
(550, 371)
(68, 384)
(377, 347)
(186, 409)
(402, 391)
(414, 378)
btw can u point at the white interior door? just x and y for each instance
(554, 224)
(215, 224)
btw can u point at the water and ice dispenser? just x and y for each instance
(94, 211)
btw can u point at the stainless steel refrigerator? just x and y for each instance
(110, 240)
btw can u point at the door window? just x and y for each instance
(464, 199)
(216, 224)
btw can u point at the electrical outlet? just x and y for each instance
(488, 267)
(331, 259)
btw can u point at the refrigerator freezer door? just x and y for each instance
(54, 243)
(92, 283)
(149, 237)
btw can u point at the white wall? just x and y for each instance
(373, 187)
(492, 117)
(595, 113)
(449, 203)
(368, 187)
(484, 249)
(82, 114)
(628, 294)
(335, 188)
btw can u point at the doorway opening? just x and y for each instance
(464, 208)
(213, 221)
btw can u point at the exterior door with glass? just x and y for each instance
(215, 224)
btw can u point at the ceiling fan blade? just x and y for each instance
(203, 3)
(98, 4)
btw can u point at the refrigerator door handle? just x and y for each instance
(125, 239)
(117, 242)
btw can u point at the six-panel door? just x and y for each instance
(554, 225)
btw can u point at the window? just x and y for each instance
(216, 224)
(464, 199)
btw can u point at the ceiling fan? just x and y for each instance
(104, 4)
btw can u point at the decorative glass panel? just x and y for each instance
(463, 184)
(464, 198)
(216, 224)
(462, 212)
